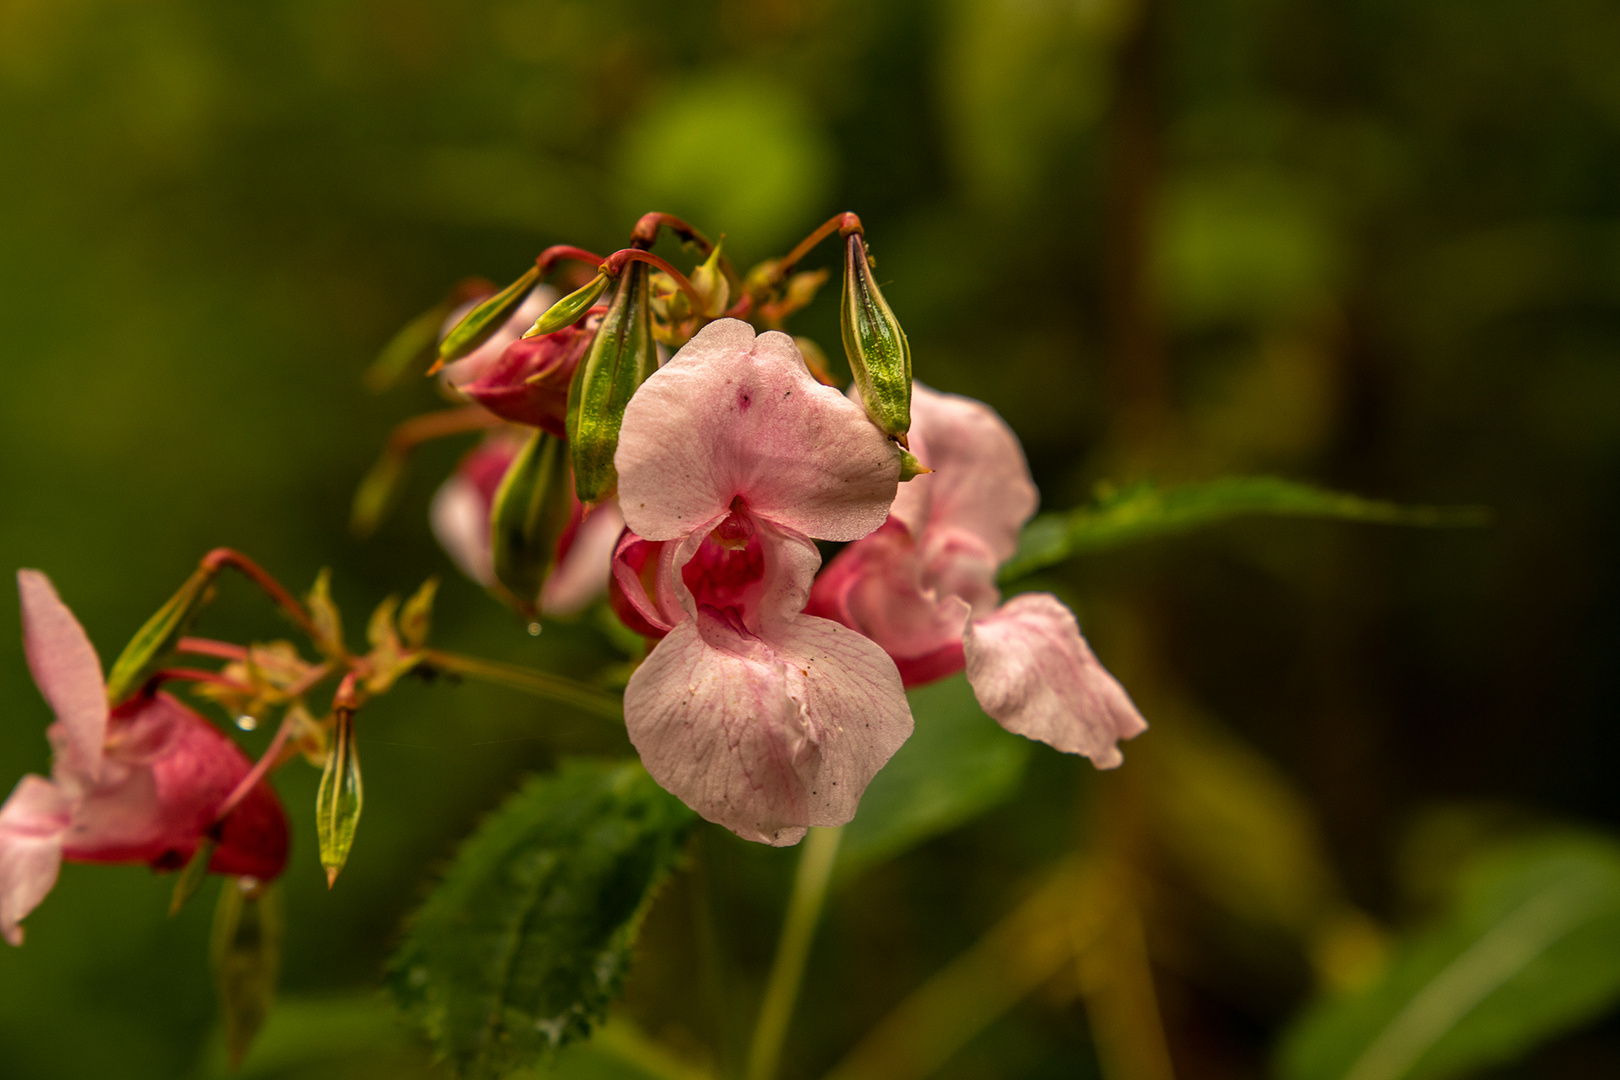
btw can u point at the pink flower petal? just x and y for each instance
(1033, 672)
(68, 674)
(877, 586)
(766, 737)
(459, 515)
(735, 415)
(32, 822)
(582, 574)
(980, 483)
(528, 382)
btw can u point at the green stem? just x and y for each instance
(787, 971)
(540, 683)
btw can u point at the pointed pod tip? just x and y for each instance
(331, 875)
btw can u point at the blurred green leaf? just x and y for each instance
(1531, 949)
(958, 763)
(352, 1037)
(1145, 510)
(416, 617)
(247, 958)
(154, 641)
(528, 939)
(323, 612)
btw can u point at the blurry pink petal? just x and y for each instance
(634, 590)
(474, 364)
(68, 674)
(766, 738)
(980, 483)
(1033, 672)
(460, 518)
(32, 822)
(877, 586)
(582, 572)
(168, 773)
(734, 416)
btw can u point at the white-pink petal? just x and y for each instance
(459, 515)
(33, 822)
(733, 414)
(68, 673)
(980, 483)
(1034, 673)
(766, 738)
(583, 573)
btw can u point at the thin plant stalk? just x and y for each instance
(787, 971)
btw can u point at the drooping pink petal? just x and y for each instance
(766, 737)
(1034, 673)
(582, 572)
(474, 364)
(32, 823)
(734, 415)
(68, 674)
(459, 515)
(980, 483)
(168, 772)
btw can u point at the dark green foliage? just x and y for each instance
(1530, 950)
(527, 940)
(957, 764)
(1145, 510)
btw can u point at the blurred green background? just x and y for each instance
(1371, 244)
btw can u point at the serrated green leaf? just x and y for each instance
(1531, 949)
(957, 764)
(154, 641)
(416, 617)
(1145, 510)
(340, 797)
(527, 940)
(246, 951)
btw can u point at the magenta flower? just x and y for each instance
(460, 518)
(140, 783)
(924, 588)
(731, 458)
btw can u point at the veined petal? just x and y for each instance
(766, 737)
(980, 483)
(1033, 672)
(877, 585)
(32, 823)
(733, 415)
(68, 674)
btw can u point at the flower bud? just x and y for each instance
(528, 517)
(488, 317)
(569, 309)
(711, 284)
(621, 357)
(879, 357)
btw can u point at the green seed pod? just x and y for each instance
(155, 641)
(528, 517)
(569, 308)
(339, 798)
(879, 357)
(621, 357)
(488, 317)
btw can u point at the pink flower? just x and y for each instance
(730, 460)
(460, 517)
(140, 783)
(923, 587)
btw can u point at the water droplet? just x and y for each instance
(534, 629)
(247, 722)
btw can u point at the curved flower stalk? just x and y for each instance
(460, 516)
(730, 460)
(923, 587)
(141, 783)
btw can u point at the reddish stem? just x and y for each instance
(559, 252)
(436, 425)
(844, 223)
(645, 234)
(615, 265)
(266, 762)
(180, 674)
(222, 557)
(224, 650)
